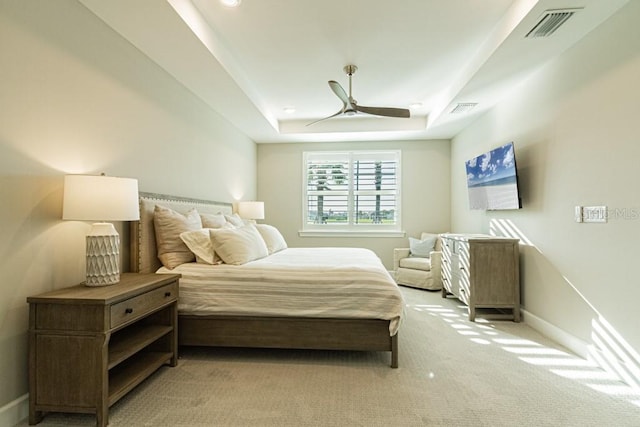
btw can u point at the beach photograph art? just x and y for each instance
(492, 180)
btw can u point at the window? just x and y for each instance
(351, 191)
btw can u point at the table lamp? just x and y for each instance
(251, 210)
(101, 198)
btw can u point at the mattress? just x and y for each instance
(341, 283)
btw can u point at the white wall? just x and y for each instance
(77, 98)
(575, 128)
(425, 189)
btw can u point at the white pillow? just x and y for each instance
(199, 242)
(168, 225)
(422, 248)
(213, 220)
(272, 238)
(235, 220)
(238, 245)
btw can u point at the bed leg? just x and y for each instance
(394, 351)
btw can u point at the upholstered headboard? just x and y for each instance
(144, 257)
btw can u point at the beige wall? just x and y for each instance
(425, 189)
(77, 98)
(575, 128)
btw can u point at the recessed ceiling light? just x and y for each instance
(230, 3)
(415, 105)
(289, 110)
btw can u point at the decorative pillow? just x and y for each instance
(422, 248)
(199, 242)
(213, 220)
(272, 238)
(235, 220)
(168, 225)
(238, 245)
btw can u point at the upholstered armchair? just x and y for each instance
(420, 265)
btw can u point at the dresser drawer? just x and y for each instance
(140, 305)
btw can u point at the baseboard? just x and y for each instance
(576, 345)
(14, 412)
(627, 372)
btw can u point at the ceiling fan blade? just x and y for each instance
(384, 111)
(339, 91)
(333, 115)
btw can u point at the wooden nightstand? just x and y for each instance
(89, 346)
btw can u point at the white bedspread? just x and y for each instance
(298, 282)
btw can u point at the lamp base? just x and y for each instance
(103, 255)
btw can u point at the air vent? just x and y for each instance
(550, 21)
(463, 107)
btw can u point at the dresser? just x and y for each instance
(483, 272)
(89, 346)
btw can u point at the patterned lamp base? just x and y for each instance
(103, 255)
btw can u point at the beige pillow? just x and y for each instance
(199, 242)
(213, 220)
(238, 245)
(169, 224)
(272, 238)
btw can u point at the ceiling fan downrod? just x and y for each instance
(350, 70)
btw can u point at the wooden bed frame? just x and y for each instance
(245, 331)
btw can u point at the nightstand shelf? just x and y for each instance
(132, 340)
(124, 377)
(90, 346)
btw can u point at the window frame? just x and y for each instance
(351, 228)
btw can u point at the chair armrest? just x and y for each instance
(398, 254)
(436, 267)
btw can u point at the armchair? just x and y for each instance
(422, 268)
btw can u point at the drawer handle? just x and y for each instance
(128, 310)
(167, 294)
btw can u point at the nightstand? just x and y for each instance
(90, 346)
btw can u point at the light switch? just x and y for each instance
(578, 213)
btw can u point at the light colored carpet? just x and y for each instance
(452, 373)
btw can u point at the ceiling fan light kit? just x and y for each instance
(350, 106)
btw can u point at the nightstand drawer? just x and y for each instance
(140, 305)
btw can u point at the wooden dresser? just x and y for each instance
(483, 272)
(89, 346)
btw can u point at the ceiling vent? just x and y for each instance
(550, 21)
(463, 107)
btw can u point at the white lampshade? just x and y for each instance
(91, 198)
(251, 210)
(100, 198)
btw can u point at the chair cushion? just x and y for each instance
(416, 263)
(422, 248)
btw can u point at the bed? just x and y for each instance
(308, 327)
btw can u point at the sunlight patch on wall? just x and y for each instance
(608, 348)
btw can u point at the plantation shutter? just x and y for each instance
(327, 188)
(357, 190)
(375, 188)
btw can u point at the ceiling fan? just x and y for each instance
(350, 106)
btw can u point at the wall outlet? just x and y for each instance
(594, 214)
